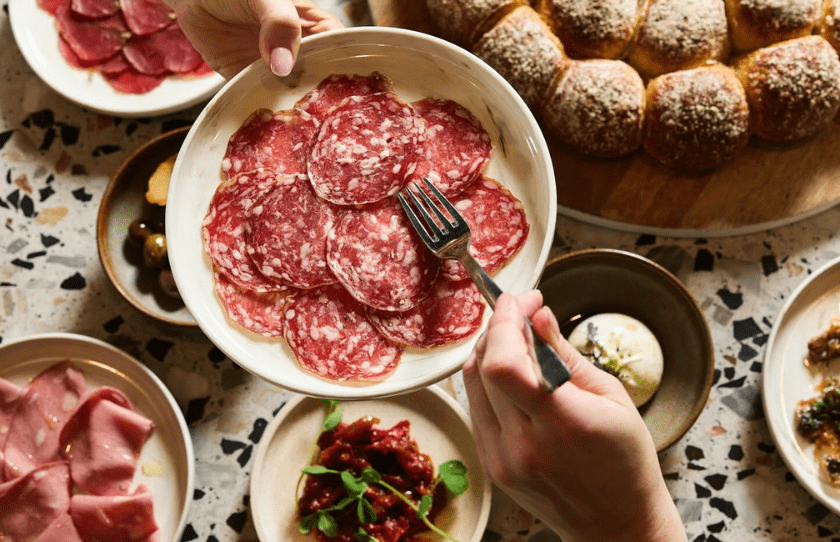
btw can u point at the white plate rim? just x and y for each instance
(433, 392)
(78, 347)
(37, 38)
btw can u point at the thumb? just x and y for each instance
(279, 34)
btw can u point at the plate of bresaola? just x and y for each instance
(92, 445)
(123, 58)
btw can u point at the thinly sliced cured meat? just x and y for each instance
(95, 8)
(51, 6)
(498, 223)
(102, 441)
(286, 234)
(62, 529)
(365, 149)
(457, 148)
(92, 40)
(376, 254)
(260, 312)
(115, 519)
(223, 229)
(335, 88)
(330, 336)
(70, 56)
(115, 65)
(48, 402)
(453, 312)
(146, 16)
(10, 395)
(162, 52)
(276, 141)
(32, 502)
(130, 82)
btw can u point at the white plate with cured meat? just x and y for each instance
(85, 59)
(209, 179)
(788, 378)
(437, 423)
(165, 463)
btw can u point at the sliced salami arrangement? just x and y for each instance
(308, 241)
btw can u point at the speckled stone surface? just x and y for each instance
(725, 475)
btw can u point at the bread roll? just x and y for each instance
(525, 52)
(680, 34)
(463, 21)
(697, 118)
(759, 23)
(828, 25)
(793, 87)
(597, 108)
(593, 28)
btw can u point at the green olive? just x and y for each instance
(167, 283)
(154, 251)
(138, 231)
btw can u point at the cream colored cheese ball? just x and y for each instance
(759, 23)
(624, 347)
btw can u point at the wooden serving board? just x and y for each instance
(767, 185)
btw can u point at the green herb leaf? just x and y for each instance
(333, 417)
(425, 506)
(308, 522)
(327, 525)
(318, 469)
(353, 486)
(453, 466)
(368, 514)
(453, 474)
(363, 536)
(343, 503)
(371, 476)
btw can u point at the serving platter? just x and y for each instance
(786, 379)
(439, 425)
(418, 66)
(766, 186)
(166, 462)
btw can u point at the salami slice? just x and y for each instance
(95, 8)
(365, 149)
(260, 312)
(330, 336)
(286, 234)
(92, 40)
(277, 141)
(335, 88)
(223, 229)
(453, 312)
(146, 16)
(457, 148)
(161, 53)
(498, 223)
(376, 254)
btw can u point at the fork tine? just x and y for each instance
(431, 226)
(420, 228)
(456, 217)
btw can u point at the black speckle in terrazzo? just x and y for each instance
(693, 453)
(23, 264)
(5, 137)
(215, 355)
(113, 325)
(27, 206)
(82, 195)
(769, 265)
(257, 432)
(716, 527)
(745, 473)
(732, 300)
(74, 282)
(766, 447)
(14, 199)
(105, 149)
(212, 538)
(736, 453)
(717, 481)
(816, 513)
(822, 532)
(760, 340)
(69, 134)
(42, 119)
(724, 506)
(645, 239)
(130, 128)
(737, 383)
(231, 446)
(716, 376)
(491, 536)
(729, 372)
(198, 494)
(276, 410)
(158, 348)
(45, 193)
(236, 521)
(744, 329)
(700, 538)
(704, 261)
(789, 477)
(745, 402)
(189, 533)
(671, 475)
(49, 137)
(33, 255)
(245, 456)
(695, 466)
(713, 538)
(702, 492)
(195, 409)
(746, 353)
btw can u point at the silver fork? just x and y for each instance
(449, 238)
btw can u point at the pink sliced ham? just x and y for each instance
(62, 529)
(162, 52)
(336, 88)
(130, 82)
(31, 503)
(10, 394)
(146, 16)
(95, 9)
(92, 40)
(115, 518)
(102, 441)
(48, 402)
(260, 312)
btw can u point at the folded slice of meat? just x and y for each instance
(51, 6)
(335, 88)
(330, 336)
(223, 230)
(48, 402)
(115, 518)
(10, 394)
(62, 529)
(146, 16)
(260, 312)
(286, 233)
(365, 149)
(31, 503)
(376, 254)
(277, 141)
(102, 441)
(129, 81)
(95, 8)
(163, 52)
(93, 40)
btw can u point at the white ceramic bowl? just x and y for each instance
(419, 65)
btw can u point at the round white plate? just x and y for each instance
(166, 462)
(37, 37)
(419, 65)
(787, 380)
(438, 424)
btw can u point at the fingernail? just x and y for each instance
(282, 62)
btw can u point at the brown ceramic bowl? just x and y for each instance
(588, 282)
(124, 201)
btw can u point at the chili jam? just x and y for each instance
(818, 420)
(396, 456)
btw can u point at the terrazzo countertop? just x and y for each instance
(725, 475)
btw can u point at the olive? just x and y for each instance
(167, 283)
(154, 251)
(138, 231)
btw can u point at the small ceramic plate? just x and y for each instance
(787, 380)
(588, 282)
(438, 424)
(166, 462)
(124, 200)
(419, 65)
(37, 37)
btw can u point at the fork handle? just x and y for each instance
(551, 368)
